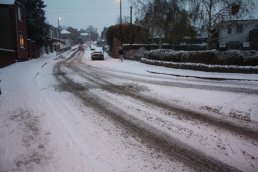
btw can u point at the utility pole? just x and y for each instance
(131, 14)
(120, 11)
(131, 22)
(59, 30)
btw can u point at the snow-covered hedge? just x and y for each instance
(247, 58)
(212, 61)
(134, 54)
(203, 67)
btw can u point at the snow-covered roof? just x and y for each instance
(84, 34)
(65, 32)
(7, 2)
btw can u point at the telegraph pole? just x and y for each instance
(120, 11)
(131, 22)
(59, 31)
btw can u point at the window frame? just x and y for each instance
(229, 29)
(21, 40)
(19, 14)
(240, 28)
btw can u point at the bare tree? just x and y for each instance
(91, 29)
(150, 16)
(125, 19)
(178, 24)
(164, 18)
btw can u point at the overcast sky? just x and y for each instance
(82, 13)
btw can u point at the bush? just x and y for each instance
(203, 67)
(233, 57)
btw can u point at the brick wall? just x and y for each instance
(115, 48)
(7, 57)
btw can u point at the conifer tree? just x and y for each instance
(37, 27)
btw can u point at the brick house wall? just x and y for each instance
(13, 32)
(21, 30)
(7, 41)
(115, 48)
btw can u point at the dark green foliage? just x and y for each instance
(201, 67)
(248, 58)
(253, 35)
(167, 19)
(235, 9)
(205, 57)
(126, 33)
(37, 27)
(253, 38)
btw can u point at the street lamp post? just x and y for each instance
(58, 27)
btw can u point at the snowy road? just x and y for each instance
(83, 115)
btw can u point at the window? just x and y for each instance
(21, 41)
(19, 14)
(229, 29)
(239, 28)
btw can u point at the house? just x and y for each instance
(66, 37)
(234, 34)
(85, 36)
(75, 35)
(54, 37)
(13, 32)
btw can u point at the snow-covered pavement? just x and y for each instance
(82, 115)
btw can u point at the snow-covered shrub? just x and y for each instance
(136, 54)
(203, 67)
(182, 56)
(211, 61)
(233, 57)
(237, 57)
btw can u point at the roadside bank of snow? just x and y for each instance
(139, 68)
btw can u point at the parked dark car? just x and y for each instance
(97, 55)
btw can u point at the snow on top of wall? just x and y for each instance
(7, 2)
(7, 50)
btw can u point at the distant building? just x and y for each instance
(234, 34)
(54, 37)
(85, 36)
(13, 32)
(66, 37)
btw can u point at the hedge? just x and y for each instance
(233, 57)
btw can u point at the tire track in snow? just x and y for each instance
(163, 142)
(173, 83)
(180, 112)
